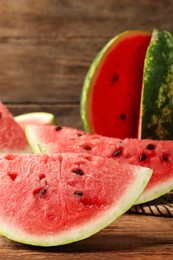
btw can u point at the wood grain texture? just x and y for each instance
(45, 70)
(139, 237)
(46, 48)
(82, 18)
(65, 114)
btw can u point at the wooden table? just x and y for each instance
(130, 236)
(46, 48)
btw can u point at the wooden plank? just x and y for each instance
(82, 18)
(48, 70)
(139, 237)
(65, 115)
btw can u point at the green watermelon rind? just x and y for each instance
(90, 227)
(92, 71)
(156, 192)
(44, 117)
(32, 139)
(157, 100)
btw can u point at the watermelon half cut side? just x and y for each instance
(50, 200)
(110, 100)
(35, 118)
(154, 154)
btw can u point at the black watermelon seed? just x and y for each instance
(58, 128)
(115, 78)
(117, 152)
(78, 171)
(150, 147)
(78, 193)
(143, 156)
(87, 147)
(0, 114)
(165, 157)
(123, 116)
(42, 192)
(79, 134)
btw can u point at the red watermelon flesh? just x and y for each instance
(54, 199)
(154, 154)
(114, 94)
(12, 137)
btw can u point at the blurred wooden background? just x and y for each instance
(47, 46)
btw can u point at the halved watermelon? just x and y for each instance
(154, 154)
(35, 118)
(111, 95)
(49, 200)
(12, 137)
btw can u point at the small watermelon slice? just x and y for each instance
(35, 118)
(51, 134)
(111, 95)
(12, 137)
(157, 105)
(50, 200)
(154, 154)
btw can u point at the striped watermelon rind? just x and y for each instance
(157, 98)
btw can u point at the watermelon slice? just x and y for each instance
(154, 154)
(35, 118)
(12, 137)
(111, 95)
(49, 200)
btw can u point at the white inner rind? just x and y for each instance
(43, 117)
(156, 191)
(90, 227)
(32, 138)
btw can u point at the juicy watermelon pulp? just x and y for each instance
(111, 93)
(157, 155)
(12, 137)
(56, 199)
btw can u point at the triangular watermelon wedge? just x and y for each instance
(12, 137)
(154, 154)
(50, 200)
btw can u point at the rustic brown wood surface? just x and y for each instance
(46, 47)
(130, 236)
